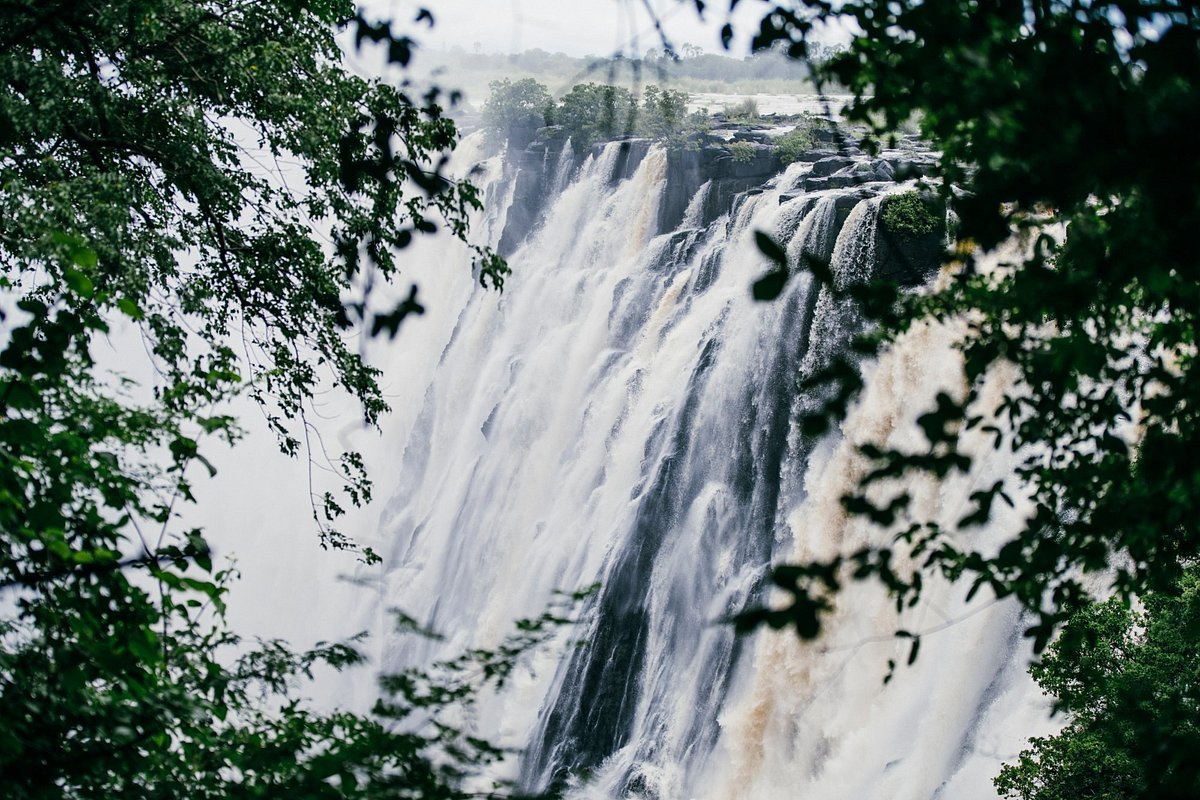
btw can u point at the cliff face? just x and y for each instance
(689, 170)
(708, 179)
(532, 169)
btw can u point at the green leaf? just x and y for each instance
(130, 309)
(78, 282)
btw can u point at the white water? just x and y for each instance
(622, 414)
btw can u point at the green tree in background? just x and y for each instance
(1127, 681)
(589, 113)
(592, 112)
(664, 113)
(208, 176)
(516, 109)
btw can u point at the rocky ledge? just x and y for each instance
(742, 164)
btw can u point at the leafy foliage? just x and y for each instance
(590, 113)
(1126, 680)
(742, 152)
(208, 176)
(912, 214)
(162, 205)
(1098, 322)
(664, 115)
(795, 142)
(198, 720)
(517, 109)
(1099, 325)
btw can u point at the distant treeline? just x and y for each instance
(692, 63)
(691, 69)
(588, 113)
(519, 111)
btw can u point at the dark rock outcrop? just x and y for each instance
(689, 169)
(830, 165)
(532, 168)
(909, 259)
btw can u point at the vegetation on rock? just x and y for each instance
(911, 215)
(797, 141)
(742, 152)
(590, 113)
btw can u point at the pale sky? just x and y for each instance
(575, 27)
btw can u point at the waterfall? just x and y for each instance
(624, 413)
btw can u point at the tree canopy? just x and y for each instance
(591, 112)
(1067, 125)
(664, 114)
(208, 175)
(1127, 679)
(588, 113)
(1071, 116)
(517, 109)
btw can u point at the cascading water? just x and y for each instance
(623, 414)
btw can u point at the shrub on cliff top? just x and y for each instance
(797, 140)
(742, 152)
(911, 214)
